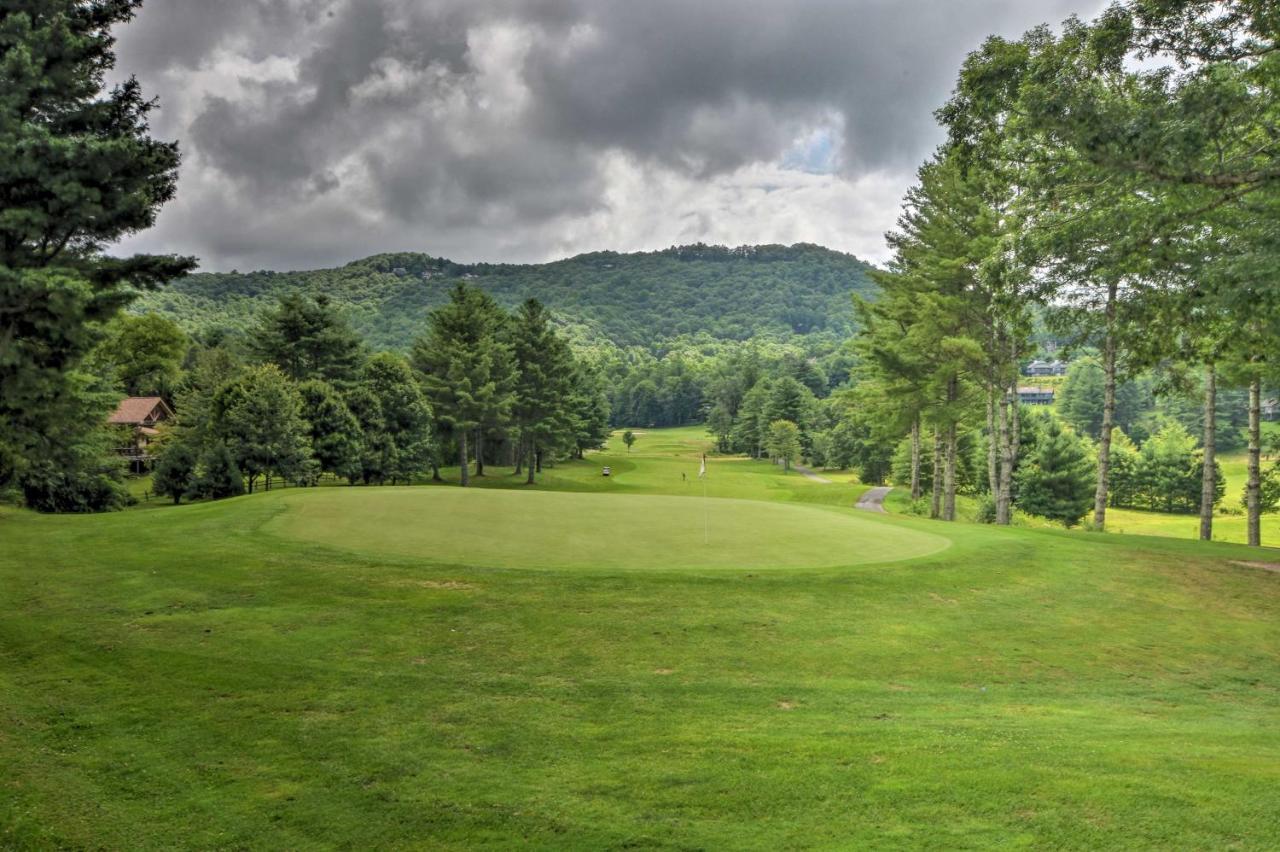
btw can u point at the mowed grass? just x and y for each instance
(539, 529)
(206, 677)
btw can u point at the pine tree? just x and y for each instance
(1056, 480)
(175, 470)
(467, 368)
(77, 172)
(544, 371)
(309, 340)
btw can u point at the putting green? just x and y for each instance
(539, 529)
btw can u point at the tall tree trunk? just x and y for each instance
(915, 458)
(1108, 412)
(537, 455)
(935, 503)
(1253, 490)
(480, 451)
(463, 462)
(1209, 473)
(435, 474)
(518, 450)
(993, 466)
(1004, 493)
(532, 463)
(949, 488)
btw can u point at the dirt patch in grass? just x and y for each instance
(1273, 567)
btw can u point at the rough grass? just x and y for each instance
(187, 678)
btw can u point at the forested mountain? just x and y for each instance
(631, 299)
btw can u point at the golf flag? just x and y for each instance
(702, 471)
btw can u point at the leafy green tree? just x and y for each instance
(333, 431)
(784, 442)
(720, 425)
(175, 470)
(628, 438)
(146, 353)
(259, 418)
(467, 368)
(1056, 480)
(77, 172)
(407, 449)
(309, 339)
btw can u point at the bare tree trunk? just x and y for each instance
(1108, 412)
(537, 455)
(532, 463)
(1004, 493)
(993, 466)
(949, 488)
(480, 451)
(935, 504)
(462, 458)
(435, 473)
(518, 451)
(1253, 490)
(915, 458)
(1209, 473)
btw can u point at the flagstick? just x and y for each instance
(706, 516)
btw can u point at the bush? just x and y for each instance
(986, 510)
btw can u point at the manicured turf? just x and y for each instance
(195, 678)
(539, 529)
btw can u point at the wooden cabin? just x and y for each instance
(138, 417)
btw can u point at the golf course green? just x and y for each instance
(513, 529)
(362, 667)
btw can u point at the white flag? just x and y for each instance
(702, 471)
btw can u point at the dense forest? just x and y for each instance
(642, 299)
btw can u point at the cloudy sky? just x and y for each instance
(319, 131)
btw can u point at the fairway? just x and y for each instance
(538, 529)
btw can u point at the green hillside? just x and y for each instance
(631, 299)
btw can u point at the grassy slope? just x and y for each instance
(183, 678)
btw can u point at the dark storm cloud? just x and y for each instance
(319, 130)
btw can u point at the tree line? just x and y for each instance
(1118, 178)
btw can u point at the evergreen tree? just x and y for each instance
(77, 172)
(175, 470)
(544, 371)
(1056, 480)
(216, 475)
(588, 409)
(467, 368)
(309, 339)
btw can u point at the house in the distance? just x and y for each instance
(1031, 395)
(138, 417)
(1045, 368)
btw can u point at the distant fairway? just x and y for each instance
(539, 529)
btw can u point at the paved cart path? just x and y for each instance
(872, 500)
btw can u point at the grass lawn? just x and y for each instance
(364, 668)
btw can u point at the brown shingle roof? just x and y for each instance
(136, 409)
